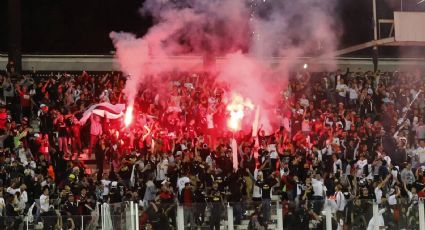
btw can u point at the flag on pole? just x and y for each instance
(105, 109)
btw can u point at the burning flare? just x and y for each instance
(236, 107)
(128, 115)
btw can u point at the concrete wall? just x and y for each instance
(108, 63)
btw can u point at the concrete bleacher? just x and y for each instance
(245, 218)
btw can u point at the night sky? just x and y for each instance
(83, 26)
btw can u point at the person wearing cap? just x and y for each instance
(167, 197)
(72, 179)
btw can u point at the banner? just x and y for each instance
(105, 109)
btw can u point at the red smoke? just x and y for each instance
(244, 32)
(236, 108)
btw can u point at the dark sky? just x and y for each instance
(82, 26)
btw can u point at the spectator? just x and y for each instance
(266, 187)
(25, 100)
(217, 206)
(323, 149)
(187, 198)
(254, 224)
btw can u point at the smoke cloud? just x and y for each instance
(245, 32)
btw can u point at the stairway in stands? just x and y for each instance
(246, 217)
(89, 163)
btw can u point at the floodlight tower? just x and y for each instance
(406, 29)
(375, 54)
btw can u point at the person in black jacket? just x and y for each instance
(100, 152)
(46, 120)
(216, 201)
(70, 206)
(200, 205)
(266, 187)
(13, 212)
(235, 183)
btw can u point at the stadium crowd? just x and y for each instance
(349, 138)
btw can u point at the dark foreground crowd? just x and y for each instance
(344, 139)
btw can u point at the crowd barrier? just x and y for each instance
(316, 214)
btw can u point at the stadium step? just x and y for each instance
(223, 225)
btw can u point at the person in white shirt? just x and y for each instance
(181, 182)
(341, 202)
(2, 203)
(393, 195)
(419, 129)
(377, 222)
(209, 161)
(348, 122)
(378, 189)
(319, 192)
(319, 188)
(341, 90)
(12, 190)
(304, 101)
(407, 176)
(256, 192)
(420, 153)
(413, 200)
(23, 198)
(105, 182)
(337, 164)
(327, 151)
(352, 95)
(286, 123)
(161, 169)
(305, 125)
(360, 164)
(44, 201)
(386, 158)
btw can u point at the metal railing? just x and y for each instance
(316, 214)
